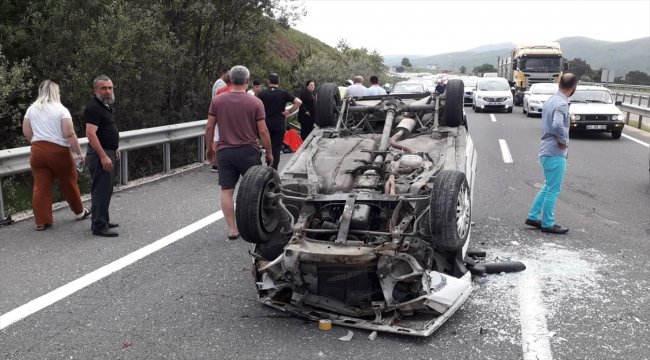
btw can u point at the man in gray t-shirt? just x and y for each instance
(357, 89)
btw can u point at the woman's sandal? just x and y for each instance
(43, 227)
(233, 237)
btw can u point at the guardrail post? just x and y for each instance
(627, 118)
(640, 97)
(124, 167)
(640, 121)
(167, 157)
(2, 205)
(201, 151)
(624, 95)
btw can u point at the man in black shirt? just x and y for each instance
(275, 101)
(102, 153)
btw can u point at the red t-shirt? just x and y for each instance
(224, 89)
(237, 115)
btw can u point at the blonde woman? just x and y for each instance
(48, 127)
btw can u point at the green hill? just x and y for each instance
(620, 56)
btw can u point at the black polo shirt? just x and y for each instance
(101, 115)
(275, 101)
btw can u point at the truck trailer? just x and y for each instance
(530, 64)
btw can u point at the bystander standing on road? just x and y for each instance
(241, 120)
(275, 101)
(48, 127)
(375, 89)
(103, 142)
(357, 89)
(307, 112)
(221, 83)
(256, 89)
(552, 155)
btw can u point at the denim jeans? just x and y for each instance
(544, 204)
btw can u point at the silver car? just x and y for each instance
(536, 96)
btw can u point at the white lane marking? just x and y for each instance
(532, 316)
(493, 118)
(505, 152)
(636, 140)
(70, 288)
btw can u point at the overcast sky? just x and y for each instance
(436, 27)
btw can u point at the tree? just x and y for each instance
(637, 77)
(482, 69)
(15, 91)
(406, 62)
(462, 69)
(580, 68)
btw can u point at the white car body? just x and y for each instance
(492, 94)
(593, 109)
(535, 98)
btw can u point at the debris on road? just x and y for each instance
(348, 337)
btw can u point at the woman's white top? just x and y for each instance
(46, 123)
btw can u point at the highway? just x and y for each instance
(583, 296)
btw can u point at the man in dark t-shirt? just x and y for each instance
(240, 118)
(103, 152)
(275, 101)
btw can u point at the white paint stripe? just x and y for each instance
(636, 140)
(493, 118)
(532, 316)
(70, 288)
(505, 152)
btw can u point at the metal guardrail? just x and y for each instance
(642, 111)
(641, 100)
(15, 161)
(623, 87)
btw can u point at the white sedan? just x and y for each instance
(535, 97)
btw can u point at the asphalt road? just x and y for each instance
(583, 296)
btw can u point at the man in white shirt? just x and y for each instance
(374, 88)
(357, 89)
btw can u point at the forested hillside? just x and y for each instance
(162, 55)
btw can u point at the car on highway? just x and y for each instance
(368, 224)
(536, 96)
(409, 87)
(470, 86)
(592, 109)
(492, 93)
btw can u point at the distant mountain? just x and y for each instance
(485, 48)
(618, 56)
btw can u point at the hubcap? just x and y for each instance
(268, 206)
(463, 212)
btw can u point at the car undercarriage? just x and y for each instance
(369, 222)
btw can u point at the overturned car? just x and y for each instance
(368, 224)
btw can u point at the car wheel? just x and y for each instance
(523, 109)
(454, 94)
(257, 212)
(509, 110)
(328, 105)
(450, 210)
(616, 134)
(476, 109)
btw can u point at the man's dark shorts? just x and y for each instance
(234, 162)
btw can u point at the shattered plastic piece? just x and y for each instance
(372, 336)
(514, 243)
(347, 337)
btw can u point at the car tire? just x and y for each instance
(476, 109)
(454, 101)
(328, 105)
(616, 134)
(523, 109)
(256, 215)
(450, 210)
(509, 110)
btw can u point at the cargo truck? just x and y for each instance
(530, 64)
